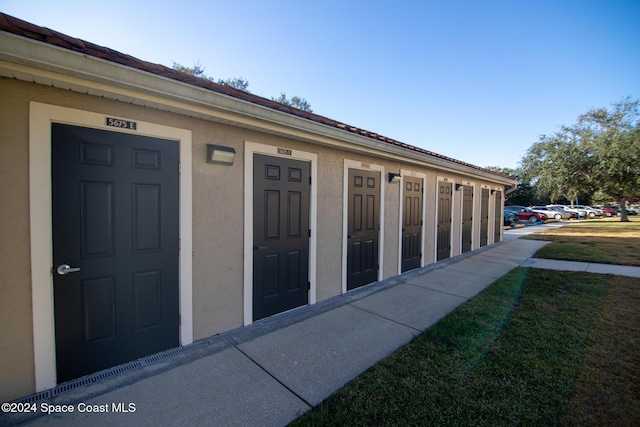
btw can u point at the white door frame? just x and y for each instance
(449, 180)
(251, 148)
(495, 190)
(41, 235)
(352, 164)
(473, 213)
(489, 217)
(423, 176)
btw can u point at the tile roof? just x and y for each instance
(22, 28)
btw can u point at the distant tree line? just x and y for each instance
(595, 160)
(241, 84)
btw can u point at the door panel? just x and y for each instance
(412, 223)
(467, 218)
(97, 219)
(363, 227)
(98, 309)
(146, 218)
(115, 216)
(444, 220)
(281, 191)
(484, 217)
(497, 229)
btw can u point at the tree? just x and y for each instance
(198, 71)
(296, 102)
(600, 154)
(241, 84)
(615, 139)
(524, 194)
(237, 83)
(558, 166)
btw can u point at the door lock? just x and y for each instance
(66, 269)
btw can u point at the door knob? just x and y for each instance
(66, 269)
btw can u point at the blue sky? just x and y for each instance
(477, 80)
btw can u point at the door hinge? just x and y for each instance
(179, 244)
(308, 285)
(309, 233)
(309, 180)
(179, 168)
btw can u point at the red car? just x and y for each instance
(526, 214)
(608, 211)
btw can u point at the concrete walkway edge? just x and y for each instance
(271, 372)
(552, 264)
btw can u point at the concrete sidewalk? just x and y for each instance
(271, 372)
(588, 267)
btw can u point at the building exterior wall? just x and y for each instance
(218, 204)
(16, 338)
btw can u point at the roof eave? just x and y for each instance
(39, 62)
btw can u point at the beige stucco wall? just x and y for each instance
(16, 339)
(391, 223)
(329, 270)
(218, 206)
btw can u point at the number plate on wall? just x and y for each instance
(124, 124)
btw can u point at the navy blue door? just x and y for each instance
(411, 223)
(444, 220)
(497, 217)
(115, 247)
(363, 227)
(281, 194)
(484, 217)
(467, 217)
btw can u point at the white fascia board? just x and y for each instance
(39, 62)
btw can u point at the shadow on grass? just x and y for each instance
(511, 355)
(598, 242)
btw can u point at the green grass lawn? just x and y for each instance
(599, 241)
(537, 347)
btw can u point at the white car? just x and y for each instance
(551, 213)
(591, 212)
(581, 212)
(573, 212)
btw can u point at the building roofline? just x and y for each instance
(24, 29)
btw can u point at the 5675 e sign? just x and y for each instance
(124, 124)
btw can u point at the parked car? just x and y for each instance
(573, 213)
(607, 211)
(633, 211)
(598, 210)
(616, 209)
(510, 217)
(579, 212)
(526, 214)
(563, 211)
(551, 213)
(591, 213)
